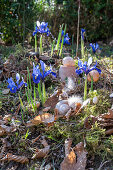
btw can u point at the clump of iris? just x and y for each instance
(94, 46)
(66, 38)
(41, 28)
(86, 67)
(12, 86)
(40, 75)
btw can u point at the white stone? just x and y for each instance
(95, 100)
(111, 95)
(68, 61)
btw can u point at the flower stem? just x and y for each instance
(85, 88)
(35, 40)
(91, 83)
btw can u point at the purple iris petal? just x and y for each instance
(47, 73)
(80, 63)
(42, 28)
(66, 39)
(13, 89)
(18, 78)
(82, 33)
(53, 73)
(94, 47)
(79, 71)
(43, 66)
(36, 79)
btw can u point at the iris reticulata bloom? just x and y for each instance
(94, 46)
(37, 74)
(82, 33)
(85, 67)
(12, 86)
(41, 28)
(66, 38)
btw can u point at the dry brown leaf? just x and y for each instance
(40, 153)
(53, 100)
(68, 143)
(69, 162)
(109, 132)
(46, 109)
(5, 129)
(108, 115)
(11, 157)
(81, 157)
(44, 118)
(89, 121)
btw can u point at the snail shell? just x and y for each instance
(62, 107)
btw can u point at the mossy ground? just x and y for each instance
(95, 140)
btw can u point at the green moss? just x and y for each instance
(102, 105)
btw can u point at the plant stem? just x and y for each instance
(43, 92)
(85, 88)
(35, 39)
(91, 83)
(41, 49)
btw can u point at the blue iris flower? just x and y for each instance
(41, 28)
(85, 67)
(37, 74)
(66, 38)
(94, 46)
(82, 33)
(12, 86)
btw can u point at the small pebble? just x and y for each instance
(95, 100)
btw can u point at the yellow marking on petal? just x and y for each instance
(35, 77)
(12, 88)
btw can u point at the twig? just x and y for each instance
(78, 27)
(102, 164)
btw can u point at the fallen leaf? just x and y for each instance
(69, 162)
(46, 109)
(5, 129)
(44, 118)
(109, 132)
(11, 157)
(108, 115)
(40, 153)
(53, 100)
